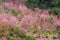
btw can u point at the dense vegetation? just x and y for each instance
(29, 20)
(51, 5)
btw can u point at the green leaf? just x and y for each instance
(3, 0)
(17, 31)
(10, 38)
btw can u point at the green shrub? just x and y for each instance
(55, 11)
(53, 5)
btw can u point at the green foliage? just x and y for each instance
(31, 3)
(15, 12)
(18, 33)
(15, 31)
(47, 33)
(37, 3)
(53, 5)
(3, 0)
(43, 3)
(11, 32)
(28, 38)
(55, 11)
(55, 2)
(10, 38)
(58, 29)
(50, 20)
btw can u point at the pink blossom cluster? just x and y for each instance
(8, 20)
(29, 18)
(34, 17)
